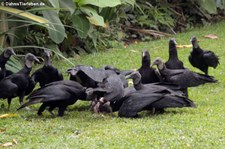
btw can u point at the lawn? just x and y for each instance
(201, 127)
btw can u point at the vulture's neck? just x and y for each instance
(3, 60)
(145, 63)
(196, 47)
(137, 84)
(48, 62)
(26, 70)
(173, 52)
(162, 67)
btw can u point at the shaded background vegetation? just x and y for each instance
(71, 27)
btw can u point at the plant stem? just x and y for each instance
(3, 28)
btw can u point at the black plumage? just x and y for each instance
(137, 101)
(182, 77)
(173, 61)
(111, 88)
(58, 94)
(47, 73)
(18, 84)
(160, 87)
(89, 76)
(148, 74)
(202, 59)
(4, 57)
(143, 97)
(157, 96)
(122, 73)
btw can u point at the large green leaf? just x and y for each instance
(129, 2)
(99, 3)
(67, 4)
(208, 5)
(220, 4)
(81, 24)
(13, 64)
(26, 15)
(54, 3)
(56, 29)
(93, 16)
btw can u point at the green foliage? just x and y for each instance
(68, 4)
(211, 6)
(14, 64)
(99, 3)
(76, 26)
(57, 30)
(81, 24)
(208, 5)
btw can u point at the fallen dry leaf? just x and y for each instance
(211, 36)
(7, 115)
(184, 46)
(14, 141)
(7, 144)
(133, 51)
(2, 129)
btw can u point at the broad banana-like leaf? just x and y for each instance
(99, 3)
(208, 5)
(26, 15)
(56, 29)
(67, 4)
(54, 3)
(93, 17)
(81, 24)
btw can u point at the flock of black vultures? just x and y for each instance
(107, 88)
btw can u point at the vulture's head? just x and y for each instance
(8, 52)
(146, 61)
(29, 59)
(135, 76)
(194, 42)
(172, 42)
(159, 63)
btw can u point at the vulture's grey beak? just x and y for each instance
(37, 60)
(13, 53)
(72, 72)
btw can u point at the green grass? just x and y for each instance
(202, 127)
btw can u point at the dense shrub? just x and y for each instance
(78, 26)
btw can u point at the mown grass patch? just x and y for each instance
(201, 127)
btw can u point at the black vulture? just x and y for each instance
(148, 74)
(182, 77)
(112, 68)
(101, 104)
(110, 90)
(173, 61)
(4, 57)
(159, 87)
(113, 86)
(47, 73)
(18, 84)
(89, 76)
(202, 59)
(117, 71)
(122, 73)
(142, 97)
(56, 94)
(137, 101)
